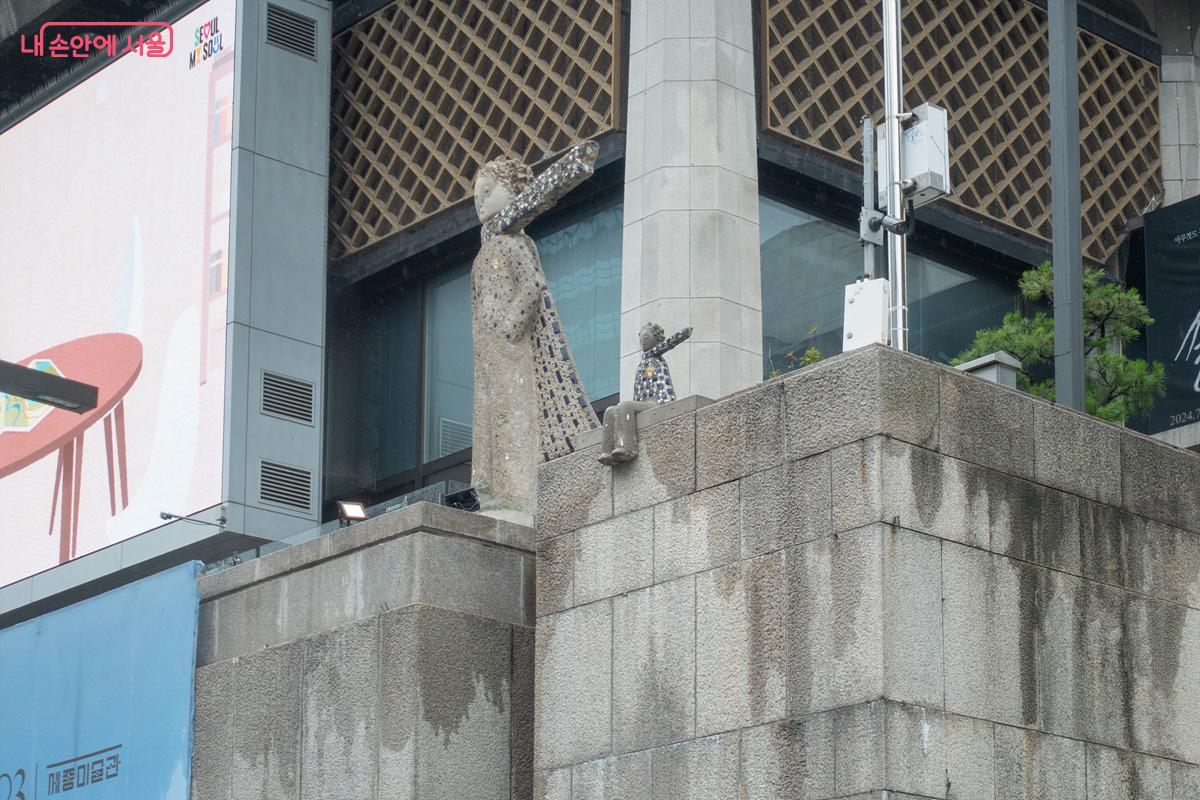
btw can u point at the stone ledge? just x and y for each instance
(418, 518)
(651, 416)
(879, 391)
(424, 555)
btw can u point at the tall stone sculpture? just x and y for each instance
(529, 401)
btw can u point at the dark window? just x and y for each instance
(1123, 10)
(449, 363)
(399, 362)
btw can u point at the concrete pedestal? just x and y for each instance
(391, 659)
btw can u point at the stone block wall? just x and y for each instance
(875, 574)
(391, 659)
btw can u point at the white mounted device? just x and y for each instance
(866, 314)
(925, 156)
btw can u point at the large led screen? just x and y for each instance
(114, 213)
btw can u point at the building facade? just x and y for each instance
(728, 187)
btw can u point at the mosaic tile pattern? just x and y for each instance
(653, 379)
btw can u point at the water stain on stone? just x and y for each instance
(765, 622)
(850, 573)
(1165, 633)
(669, 449)
(457, 657)
(1031, 629)
(341, 701)
(568, 489)
(1104, 530)
(926, 480)
(1013, 511)
(793, 766)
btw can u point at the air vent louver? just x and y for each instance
(285, 486)
(452, 436)
(290, 31)
(287, 397)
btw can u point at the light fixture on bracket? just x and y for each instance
(220, 523)
(351, 511)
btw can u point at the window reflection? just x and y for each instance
(399, 363)
(806, 264)
(449, 363)
(581, 257)
(946, 306)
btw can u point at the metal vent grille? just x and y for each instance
(452, 436)
(285, 486)
(290, 31)
(287, 397)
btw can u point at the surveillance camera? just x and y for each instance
(890, 224)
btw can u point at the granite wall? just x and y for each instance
(875, 574)
(388, 660)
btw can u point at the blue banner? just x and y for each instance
(96, 698)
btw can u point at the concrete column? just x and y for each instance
(691, 193)
(1177, 23)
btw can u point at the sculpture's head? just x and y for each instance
(498, 182)
(651, 335)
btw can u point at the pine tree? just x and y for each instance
(1116, 387)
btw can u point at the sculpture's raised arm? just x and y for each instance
(671, 343)
(562, 176)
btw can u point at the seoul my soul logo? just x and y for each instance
(206, 42)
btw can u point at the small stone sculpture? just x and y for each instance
(651, 386)
(529, 401)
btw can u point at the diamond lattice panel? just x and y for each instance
(986, 61)
(425, 92)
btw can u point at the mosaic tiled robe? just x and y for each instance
(653, 379)
(529, 400)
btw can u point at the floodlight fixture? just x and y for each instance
(351, 511)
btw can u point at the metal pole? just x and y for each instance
(868, 190)
(1064, 181)
(893, 97)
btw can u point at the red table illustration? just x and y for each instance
(111, 362)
